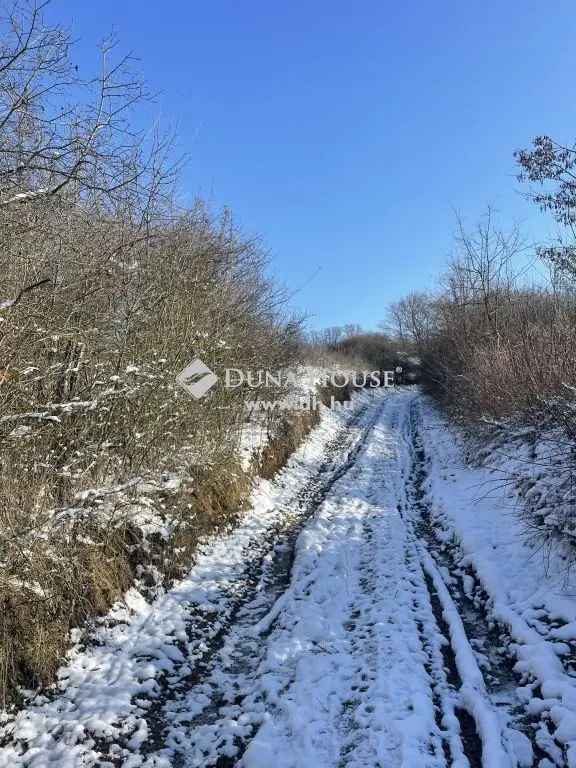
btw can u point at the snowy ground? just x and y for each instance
(375, 608)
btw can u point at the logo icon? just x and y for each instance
(196, 379)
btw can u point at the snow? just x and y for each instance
(37, 415)
(359, 654)
(21, 197)
(316, 659)
(253, 439)
(528, 592)
(473, 691)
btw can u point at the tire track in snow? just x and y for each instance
(208, 718)
(383, 616)
(361, 697)
(485, 643)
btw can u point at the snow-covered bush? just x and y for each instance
(109, 288)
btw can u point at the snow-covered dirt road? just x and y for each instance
(353, 620)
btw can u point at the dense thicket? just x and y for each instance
(108, 288)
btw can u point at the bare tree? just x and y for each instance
(412, 318)
(63, 132)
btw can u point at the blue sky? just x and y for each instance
(345, 134)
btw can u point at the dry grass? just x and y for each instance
(291, 431)
(48, 591)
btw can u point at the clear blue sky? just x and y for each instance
(346, 133)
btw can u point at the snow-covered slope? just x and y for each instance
(528, 588)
